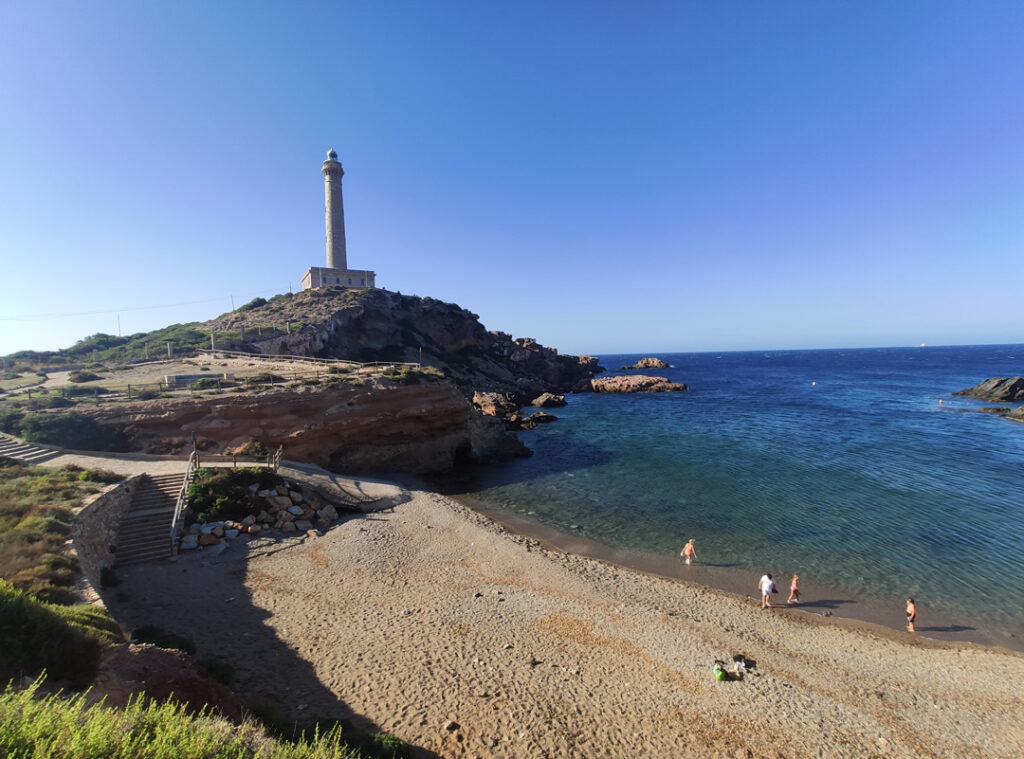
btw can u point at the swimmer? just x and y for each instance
(911, 615)
(689, 551)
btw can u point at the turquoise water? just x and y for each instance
(837, 464)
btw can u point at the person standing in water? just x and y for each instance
(767, 586)
(911, 614)
(794, 591)
(689, 551)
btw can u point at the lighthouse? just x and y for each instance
(336, 273)
(335, 212)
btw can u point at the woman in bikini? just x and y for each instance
(794, 591)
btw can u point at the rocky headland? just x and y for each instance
(647, 363)
(379, 325)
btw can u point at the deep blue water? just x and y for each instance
(838, 464)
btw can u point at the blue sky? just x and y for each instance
(603, 177)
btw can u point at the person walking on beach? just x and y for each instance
(689, 551)
(911, 615)
(767, 587)
(794, 591)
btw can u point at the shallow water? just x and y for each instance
(840, 465)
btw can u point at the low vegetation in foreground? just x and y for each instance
(64, 641)
(35, 521)
(61, 727)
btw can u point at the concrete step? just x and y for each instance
(145, 533)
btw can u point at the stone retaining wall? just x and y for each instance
(97, 526)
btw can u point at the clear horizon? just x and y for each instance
(593, 175)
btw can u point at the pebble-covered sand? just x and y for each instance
(432, 623)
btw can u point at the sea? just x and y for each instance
(858, 469)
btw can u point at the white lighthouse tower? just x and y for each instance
(336, 273)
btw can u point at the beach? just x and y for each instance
(432, 622)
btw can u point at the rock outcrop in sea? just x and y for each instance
(647, 363)
(629, 383)
(997, 389)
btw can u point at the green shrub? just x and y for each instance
(254, 303)
(64, 641)
(263, 378)
(217, 494)
(83, 376)
(204, 384)
(58, 727)
(69, 429)
(160, 637)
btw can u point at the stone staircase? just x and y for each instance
(146, 527)
(25, 452)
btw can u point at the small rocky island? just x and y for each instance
(647, 363)
(999, 390)
(629, 383)
(996, 390)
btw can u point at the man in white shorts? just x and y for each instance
(766, 585)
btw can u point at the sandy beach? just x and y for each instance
(434, 623)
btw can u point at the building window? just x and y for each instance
(337, 280)
(362, 282)
(350, 281)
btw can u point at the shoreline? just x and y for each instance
(820, 601)
(434, 622)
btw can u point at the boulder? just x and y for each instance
(295, 510)
(296, 496)
(208, 540)
(548, 400)
(218, 532)
(630, 383)
(189, 543)
(303, 524)
(541, 417)
(288, 527)
(249, 520)
(280, 501)
(494, 404)
(230, 534)
(997, 389)
(647, 363)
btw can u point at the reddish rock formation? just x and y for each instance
(648, 363)
(371, 427)
(629, 383)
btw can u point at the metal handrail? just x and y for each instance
(179, 506)
(274, 459)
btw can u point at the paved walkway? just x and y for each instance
(358, 493)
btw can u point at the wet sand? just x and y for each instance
(432, 622)
(818, 599)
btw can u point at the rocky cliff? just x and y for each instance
(378, 325)
(373, 426)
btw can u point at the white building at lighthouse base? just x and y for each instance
(319, 276)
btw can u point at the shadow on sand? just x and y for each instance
(827, 603)
(946, 629)
(203, 597)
